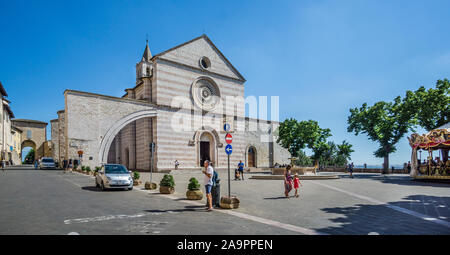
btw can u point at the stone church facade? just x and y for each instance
(179, 103)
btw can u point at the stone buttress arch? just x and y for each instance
(109, 136)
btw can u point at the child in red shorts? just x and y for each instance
(296, 184)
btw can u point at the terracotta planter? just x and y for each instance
(136, 182)
(166, 190)
(194, 194)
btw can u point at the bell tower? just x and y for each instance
(144, 73)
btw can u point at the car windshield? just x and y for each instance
(47, 160)
(115, 169)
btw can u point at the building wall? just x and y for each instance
(16, 136)
(55, 140)
(38, 131)
(89, 117)
(61, 135)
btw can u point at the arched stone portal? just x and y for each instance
(207, 143)
(107, 140)
(251, 156)
(34, 135)
(27, 144)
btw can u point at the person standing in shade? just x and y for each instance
(70, 166)
(350, 169)
(241, 169)
(208, 172)
(409, 167)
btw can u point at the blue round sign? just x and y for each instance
(229, 149)
(226, 127)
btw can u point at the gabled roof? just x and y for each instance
(214, 47)
(2, 90)
(8, 109)
(16, 128)
(29, 121)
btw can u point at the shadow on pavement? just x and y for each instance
(275, 197)
(399, 180)
(95, 189)
(186, 209)
(363, 219)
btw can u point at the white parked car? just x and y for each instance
(47, 163)
(114, 176)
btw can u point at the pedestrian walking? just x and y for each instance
(409, 167)
(65, 164)
(296, 184)
(36, 164)
(241, 169)
(208, 172)
(3, 165)
(176, 164)
(350, 169)
(287, 181)
(70, 165)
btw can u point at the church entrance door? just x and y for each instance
(204, 152)
(251, 157)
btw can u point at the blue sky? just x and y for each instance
(321, 57)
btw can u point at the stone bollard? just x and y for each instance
(229, 203)
(150, 186)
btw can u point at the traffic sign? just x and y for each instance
(228, 138)
(226, 127)
(229, 149)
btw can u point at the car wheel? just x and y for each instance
(130, 188)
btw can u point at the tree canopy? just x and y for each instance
(387, 122)
(295, 136)
(433, 105)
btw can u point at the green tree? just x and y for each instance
(343, 153)
(325, 152)
(385, 123)
(433, 105)
(303, 159)
(295, 136)
(29, 158)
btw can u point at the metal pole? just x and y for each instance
(229, 180)
(151, 166)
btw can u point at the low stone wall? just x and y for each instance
(294, 170)
(362, 170)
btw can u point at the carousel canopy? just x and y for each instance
(435, 139)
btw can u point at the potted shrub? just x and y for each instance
(97, 168)
(167, 184)
(88, 170)
(136, 177)
(83, 169)
(194, 192)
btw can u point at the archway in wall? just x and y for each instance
(28, 152)
(251, 157)
(134, 133)
(206, 148)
